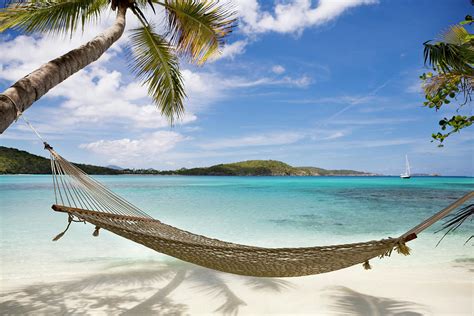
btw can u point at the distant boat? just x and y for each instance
(406, 175)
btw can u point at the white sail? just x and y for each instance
(407, 173)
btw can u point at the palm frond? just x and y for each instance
(198, 28)
(447, 57)
(454, 51)
(456, 35)
(155, 63)
(456, 220)
(50, 16)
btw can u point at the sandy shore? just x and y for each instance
(174, 288)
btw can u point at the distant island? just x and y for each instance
(14, 161)
(261, 168)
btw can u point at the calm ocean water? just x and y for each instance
(265, 211)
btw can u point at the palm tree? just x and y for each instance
(195, 30)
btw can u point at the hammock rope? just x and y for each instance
(85, 199)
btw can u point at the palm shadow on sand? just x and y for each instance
(346, 301)
(137, 288)
(147, 288)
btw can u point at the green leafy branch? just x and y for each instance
(452, 60)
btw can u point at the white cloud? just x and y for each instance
(292, 16)
(104, 98)
(135, 152)
(255, 140)
(278, 69)
(231, 50)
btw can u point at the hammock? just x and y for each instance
(86, 200)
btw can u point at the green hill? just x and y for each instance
(314, 171)
(243, 168)
(14, 161)
(261, 168)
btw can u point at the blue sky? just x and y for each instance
(332, 84)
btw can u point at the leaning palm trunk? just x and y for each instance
(32, 87)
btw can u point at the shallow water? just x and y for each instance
(265, 211)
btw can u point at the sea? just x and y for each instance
(261, 211)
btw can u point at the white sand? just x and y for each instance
(180, 289)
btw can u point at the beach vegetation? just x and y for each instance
(451, 59)
(14, 161)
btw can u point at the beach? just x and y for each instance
(145, 288)
(109, 275)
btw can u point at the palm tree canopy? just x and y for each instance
(194, 30)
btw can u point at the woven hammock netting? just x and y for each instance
(85, 199)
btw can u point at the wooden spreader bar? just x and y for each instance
(74, 210)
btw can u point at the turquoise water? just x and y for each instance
(265, 211)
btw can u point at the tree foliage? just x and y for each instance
(451, 59)
(14, 161)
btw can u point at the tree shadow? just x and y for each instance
(464, 263)
(133, 288)
(346, 301)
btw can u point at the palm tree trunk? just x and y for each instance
(32, 87)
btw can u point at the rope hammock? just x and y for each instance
(84, 199)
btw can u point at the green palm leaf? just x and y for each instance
(50, 16)
(198, 28)
(455, 52)
(157, 66)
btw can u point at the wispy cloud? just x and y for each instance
(239, 82)
(349, 100)
(269, 139)
(276, 138)
(374, 121)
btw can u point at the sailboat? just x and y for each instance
(406, 175)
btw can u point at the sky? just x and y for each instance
(329, 83)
